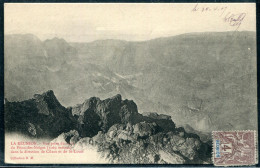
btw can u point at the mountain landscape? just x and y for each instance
(113, 126)
(204, 81)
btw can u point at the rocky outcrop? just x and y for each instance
(99, 115)
(125, 145)
(113, 126)
(164, 121)
(45, 116)
(42, 116)
(144, 129)
(156, 116)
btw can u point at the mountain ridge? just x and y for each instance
(206, 78)
(208, 32)
(108, 124)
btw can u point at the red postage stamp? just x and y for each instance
(234, 148)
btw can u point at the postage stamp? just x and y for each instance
(234, 148)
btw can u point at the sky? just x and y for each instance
(78, 22)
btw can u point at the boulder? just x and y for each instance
(113, 131)
(188, 147)
(144, 129)
(125, 135)
(71, 138)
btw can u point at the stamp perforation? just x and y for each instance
(235, 131)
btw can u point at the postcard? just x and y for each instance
(130, 83)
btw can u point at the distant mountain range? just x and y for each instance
(203, 80)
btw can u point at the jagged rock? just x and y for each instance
(96, 115)
(42, 116)
(112, 132)
(188, 147)
(162, 148)
(113, 126)
(121, 132)
(48, 104)
(125, 135)
(163, 121)
(157, 116)
(128, 112)
(144, 129)
(99, 138)
(167, 148)
(99, 115)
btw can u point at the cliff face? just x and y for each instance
(113, 125)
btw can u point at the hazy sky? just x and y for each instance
(87, 22)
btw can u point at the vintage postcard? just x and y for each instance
(130, 83)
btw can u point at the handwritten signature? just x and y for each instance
(233, 19)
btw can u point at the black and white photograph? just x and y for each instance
(129, 83)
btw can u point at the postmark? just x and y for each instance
(234, 148)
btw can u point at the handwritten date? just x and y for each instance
(233, 19)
